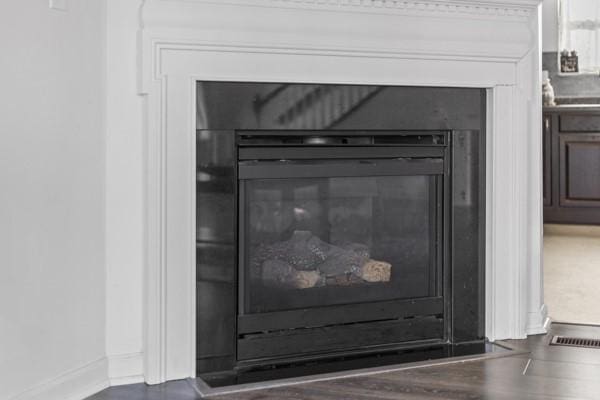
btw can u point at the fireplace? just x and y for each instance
(491, 46)
(327, 231)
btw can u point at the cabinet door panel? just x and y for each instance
(580, 170)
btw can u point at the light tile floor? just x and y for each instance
(572, 273)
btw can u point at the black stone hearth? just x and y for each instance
(341, 364)
(336, 225)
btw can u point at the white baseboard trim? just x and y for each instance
(76, 384)
(547, 323)
(537, 322)
(124, 369)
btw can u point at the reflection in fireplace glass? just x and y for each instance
(324, 241)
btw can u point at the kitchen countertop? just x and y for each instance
(573, 107)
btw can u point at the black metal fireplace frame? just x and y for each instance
(411, 322)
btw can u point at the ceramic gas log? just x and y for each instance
(305, 261)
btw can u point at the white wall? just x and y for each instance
(52, 206)
(550, 25)
(124, 196)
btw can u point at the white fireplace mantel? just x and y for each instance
(491, 44)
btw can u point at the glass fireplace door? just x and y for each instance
(325, 233)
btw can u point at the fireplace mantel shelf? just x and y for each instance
(519, 8)
(490, 44)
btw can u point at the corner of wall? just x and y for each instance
(125, 369)
(124, 196)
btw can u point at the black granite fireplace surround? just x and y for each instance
(336, 221)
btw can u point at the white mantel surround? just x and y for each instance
(492, 44)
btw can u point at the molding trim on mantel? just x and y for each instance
(322, 26)
(514, 8)
(125, 369)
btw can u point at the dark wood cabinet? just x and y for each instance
(571, 162)
(580, 170)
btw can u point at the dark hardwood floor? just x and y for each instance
(546, 372)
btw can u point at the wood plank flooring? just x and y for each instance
(546, 373)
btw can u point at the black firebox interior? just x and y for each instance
(328, 229)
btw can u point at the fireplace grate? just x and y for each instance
(575, 342)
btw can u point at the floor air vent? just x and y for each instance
(575, 342)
